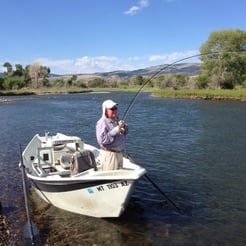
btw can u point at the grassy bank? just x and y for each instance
(43, 91)
(239, 95)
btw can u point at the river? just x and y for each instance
(194, 150)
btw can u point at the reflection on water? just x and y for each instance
(193, 150)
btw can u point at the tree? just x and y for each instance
(181, 80)
(1, 83)
(44, 72)
(34, 71)
(33, 75)
(19, 71)
(225, 66)
(27, 77)
(97, 82)
(139, 80)
(13, 82)
(72, 80)
(9, 68)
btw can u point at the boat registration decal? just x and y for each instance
(90, 190)
(112, 186)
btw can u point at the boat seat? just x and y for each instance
(82, 161)
(66, 161)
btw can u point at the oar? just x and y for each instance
(169, 201)
(31, 232)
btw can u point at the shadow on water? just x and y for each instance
(148, 220)
(134, 227)
(8, 210)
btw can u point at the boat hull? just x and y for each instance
(98, 199)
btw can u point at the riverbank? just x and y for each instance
(4, 228)
(26, 92)
(202, 94)
(236, 94)
(4, 94)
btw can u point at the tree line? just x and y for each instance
(223, 63)
(32, 76)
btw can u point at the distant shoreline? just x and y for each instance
(214, 98)
(219, 95)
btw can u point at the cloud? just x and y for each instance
(96, 64)
(100, 64)
(86, 64)
(57, 66)
(141, 4)
(134, 58)
(134, 9)
(58, 63)
(173, 57)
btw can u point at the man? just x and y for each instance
(111, 133)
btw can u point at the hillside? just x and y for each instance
(182, 68)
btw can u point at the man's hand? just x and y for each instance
(121, 123)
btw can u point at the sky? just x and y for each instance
(88, 36)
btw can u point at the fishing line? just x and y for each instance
(169, 201)
(168, 66)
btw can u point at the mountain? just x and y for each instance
(182, 68)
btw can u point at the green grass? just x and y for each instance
(203, 94)
(16, 93)
(57, 90)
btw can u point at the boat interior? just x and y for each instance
(65, 158)
(62, 156)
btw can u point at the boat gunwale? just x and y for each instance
(134, 175)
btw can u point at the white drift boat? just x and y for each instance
(67, 173)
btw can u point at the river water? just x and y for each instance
(193, 150)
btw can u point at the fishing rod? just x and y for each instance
(168, 66)
(169, 201)
(31, 233)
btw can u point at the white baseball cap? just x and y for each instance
(108, 104)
